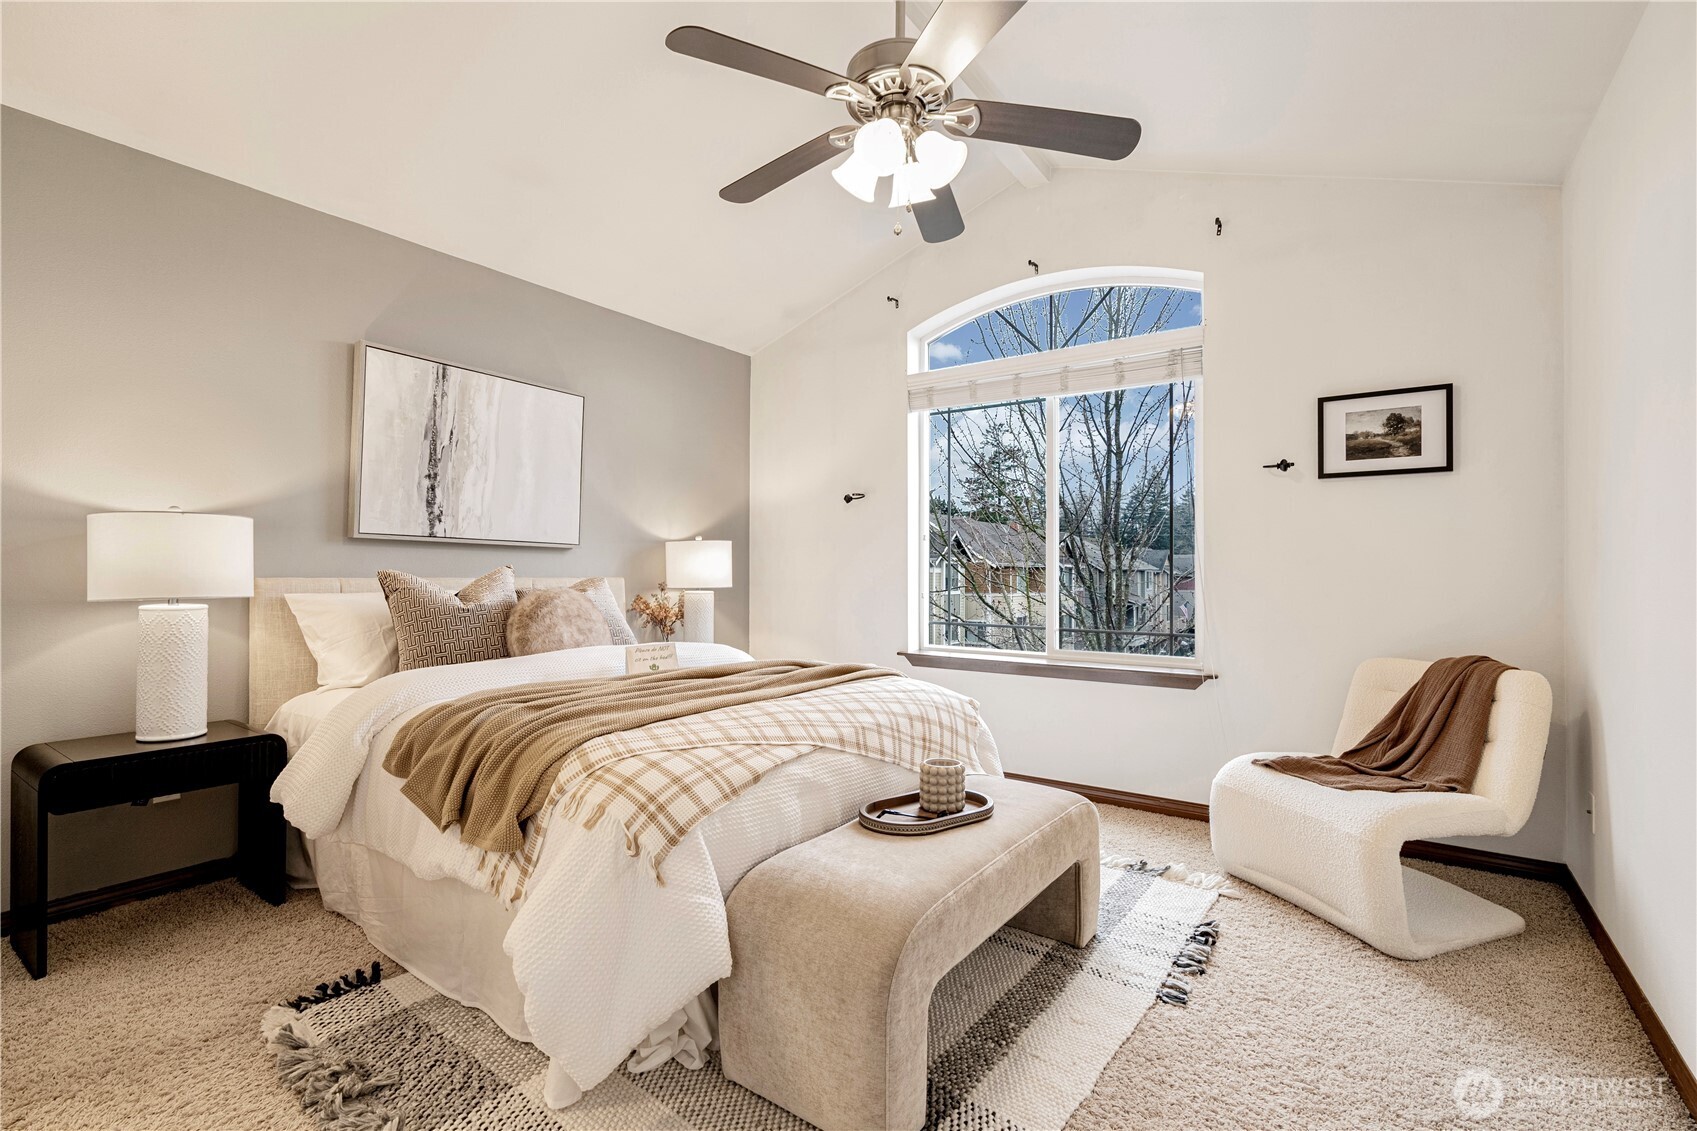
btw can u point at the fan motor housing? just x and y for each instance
(882, 67)
(880, 54)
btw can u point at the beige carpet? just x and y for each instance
(148, 1020)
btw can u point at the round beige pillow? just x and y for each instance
(547, 620)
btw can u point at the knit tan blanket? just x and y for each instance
(1432, 740)
(661, 750)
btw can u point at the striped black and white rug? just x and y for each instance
(1020, 1031)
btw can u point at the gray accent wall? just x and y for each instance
(171, 338)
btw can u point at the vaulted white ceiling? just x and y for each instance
(563, 144)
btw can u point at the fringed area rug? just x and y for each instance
(1020, 1031)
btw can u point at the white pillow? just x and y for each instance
(351, 635)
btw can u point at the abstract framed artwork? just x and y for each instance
(1388, 432)
(445, 453)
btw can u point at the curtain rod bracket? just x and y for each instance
(894, 299)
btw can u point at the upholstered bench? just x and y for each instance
(837, 943)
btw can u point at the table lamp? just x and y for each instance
(148, 555)
(697, 568)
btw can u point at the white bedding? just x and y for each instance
(602, 954)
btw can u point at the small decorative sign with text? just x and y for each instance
(651, 658)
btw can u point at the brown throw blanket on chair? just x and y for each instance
(490, 760)
(1431, 740)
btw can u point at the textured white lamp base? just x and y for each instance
(171, 673)
(698, 616)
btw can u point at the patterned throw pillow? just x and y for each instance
(547, 620)
(434, 626)
(597, 590)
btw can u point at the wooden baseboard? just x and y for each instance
(1678, 1071)
(1166, 806)
(1484, 860)
(102, 899)
(1525, 867)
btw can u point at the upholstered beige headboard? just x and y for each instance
(279, 665)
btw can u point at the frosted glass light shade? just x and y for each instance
(881, 145)
(857, 178)
(940, 157)
(908, 187)
(138, 555)
(698, 565)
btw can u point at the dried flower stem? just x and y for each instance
(662, 611)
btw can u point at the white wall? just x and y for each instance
(1316, 287)
(1631, 553)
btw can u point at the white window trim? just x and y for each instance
(919, 494)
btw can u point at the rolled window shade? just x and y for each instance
(948, 388)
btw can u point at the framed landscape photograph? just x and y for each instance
(444, 453)
(1390, 432)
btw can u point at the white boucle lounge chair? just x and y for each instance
(1336, 852)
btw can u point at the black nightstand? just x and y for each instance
(115, 769)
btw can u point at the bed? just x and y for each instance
(599, 964)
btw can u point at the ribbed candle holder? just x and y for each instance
(942, 785)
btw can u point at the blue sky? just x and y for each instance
(966, 343)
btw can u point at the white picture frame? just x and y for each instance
(442, 452)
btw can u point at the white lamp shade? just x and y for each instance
(857, 177)
(698, 565)
(881, 145)
(908, 186)
(940, 157)
(143, 555)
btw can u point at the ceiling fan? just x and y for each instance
(905, 123)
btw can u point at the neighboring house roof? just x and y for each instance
(1002, 545)
(994, 543)
(1183, 564)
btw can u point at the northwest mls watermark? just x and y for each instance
(1479, 1093)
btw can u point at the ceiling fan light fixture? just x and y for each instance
(908, 186)
(881, 145)
(857, 177)
(940, 158)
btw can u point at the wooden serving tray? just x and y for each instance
(902, 816)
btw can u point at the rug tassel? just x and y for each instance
(1178, 873)
(326, 991)
(1207, 881)
(1174, 991)
(1192, 959)
(338, 1087)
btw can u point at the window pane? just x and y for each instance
(1128, 521)
(1068, 318)
(987, 525)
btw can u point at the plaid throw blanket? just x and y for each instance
(588, 749)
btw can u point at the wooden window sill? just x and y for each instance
(1061, 669)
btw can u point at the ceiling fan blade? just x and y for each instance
(781, 170)
(939, 220)
(958, 31)
(739, 55)
(1069, 131)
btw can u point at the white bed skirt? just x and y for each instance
(449, 936)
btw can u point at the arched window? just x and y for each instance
(1063, 319)
(1055, 441)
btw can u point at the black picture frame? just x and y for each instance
(1447, 391)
